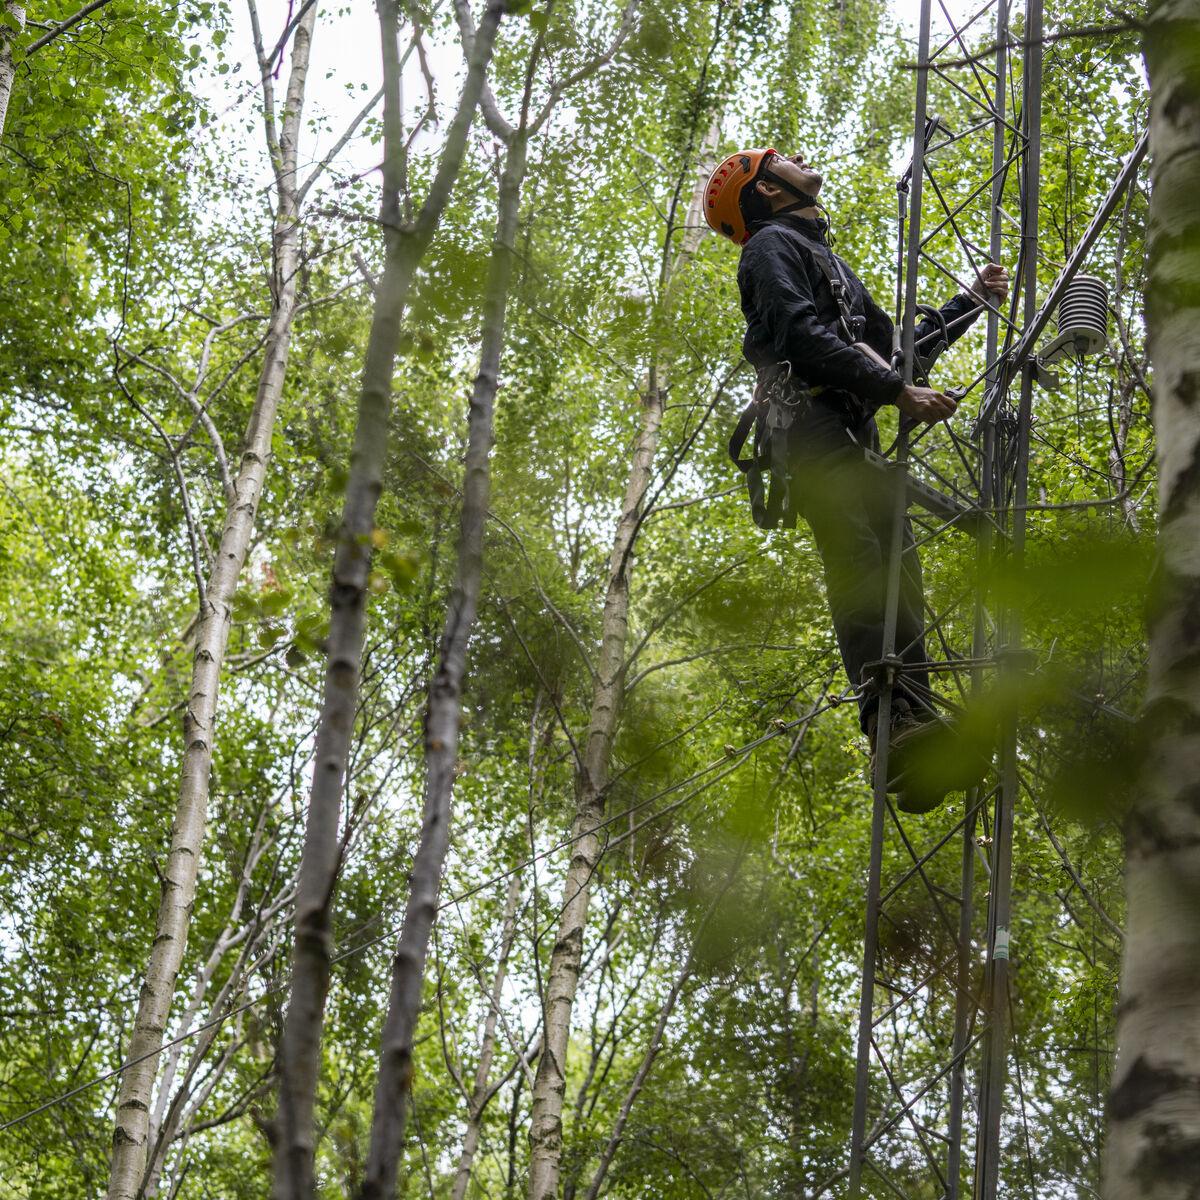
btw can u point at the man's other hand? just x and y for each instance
(991, 285)
(925, 404)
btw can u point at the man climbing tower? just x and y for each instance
(821, 347)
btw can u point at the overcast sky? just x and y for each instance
(345, 71)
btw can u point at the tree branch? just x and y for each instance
(69, 23)
(338, 146)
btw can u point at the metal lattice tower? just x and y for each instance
(927, 1122)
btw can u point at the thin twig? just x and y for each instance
(179, 476)
(69, 23)
(338, 146)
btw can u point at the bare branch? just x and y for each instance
(662, 508)
(365, 272)
(339, 145)
(201, 413)
(288, 30)
(1092, 902)
(268, 86)
(590, 67)
(321, 301)
(179, 476)
(62, 27)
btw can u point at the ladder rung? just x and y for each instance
(939, 504)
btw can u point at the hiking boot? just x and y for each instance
(906, 732)
(916, 801)
(943, 760)
(909, 729)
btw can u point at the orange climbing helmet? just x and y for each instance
(728, 183)
(723, 192)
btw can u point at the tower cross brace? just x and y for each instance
(935, 1128)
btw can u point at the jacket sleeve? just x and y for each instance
(776, 276)
(958, 314)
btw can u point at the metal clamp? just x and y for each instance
(882, 672)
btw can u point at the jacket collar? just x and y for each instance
(815, 229)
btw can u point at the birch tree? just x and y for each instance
(444, 717)
(1154, 1108)
(444, 714)
(12, 25)
(178, 881)
(562, 979)
(406, 240)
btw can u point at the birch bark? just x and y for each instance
(405, 245)
(1153, 1150)
(480, 1093)
(12, 25)
(443, 719)
(131, 1131)
(562, 979)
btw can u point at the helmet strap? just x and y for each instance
(803, 199)
(806, 201)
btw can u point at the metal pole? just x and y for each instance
(999, 138)
(862, 1072)
(962, 1002)
(902, 197)
(914, 206)
(862, 1077)
(1034, 328)
(992, 1099)
(964, 999)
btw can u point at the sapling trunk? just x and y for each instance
(443, 719)
(562, 979)
(211, 640)
(405, 245)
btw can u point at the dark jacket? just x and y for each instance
(791, 315)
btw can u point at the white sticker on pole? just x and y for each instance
(1000, 949)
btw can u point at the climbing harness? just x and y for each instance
(780, 401)
(851, 325)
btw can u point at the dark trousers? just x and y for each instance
(850, 508)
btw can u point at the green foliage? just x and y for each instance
(736, 830)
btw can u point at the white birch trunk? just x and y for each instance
(405, 246)
(480, 1094)
(131, 1132)
(562, 981)
(12, 25)
(1153, 1150)
(443, 720)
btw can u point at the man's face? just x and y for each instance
(796, 171)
